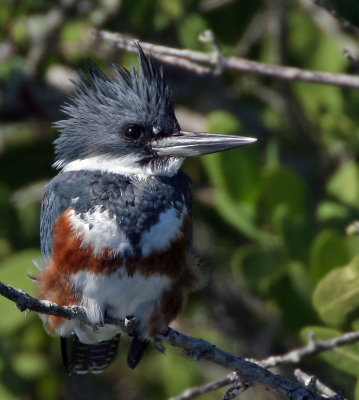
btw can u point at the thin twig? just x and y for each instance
(330, 26)
(204, 63)
(250, 373)
(53, 22)
(208, 37)
(237, 389)
(26, 302)
(254, 32)
(306, 379)
(233, 378)
(353, 61)
(348, 26)
(211, 5)
(209, 387)
(296, 355)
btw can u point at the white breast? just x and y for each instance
(162, 234)
(119, 295)
(100, 231)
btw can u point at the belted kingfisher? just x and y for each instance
(116, 222)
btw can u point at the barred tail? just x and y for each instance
(82, 358)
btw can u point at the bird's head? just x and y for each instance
(127, 125)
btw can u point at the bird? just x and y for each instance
(116, 221)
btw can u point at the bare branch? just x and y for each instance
(353, 61)
(211, 5)
(296, 355)
(249, 373)
(254, 32)
(238, 388)
(348, 26)
(306, 380)
(330, 26)
(207, 63)
(26, 302)
(233, 378)
(53, 22)
(209, 387)
(218, 57)
(292, 357)
(170, 57)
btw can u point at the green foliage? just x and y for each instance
(29, 365)
(328, 251)
(336, 296)
(251, 262)
(282, 188)
(14, 270)
(344, 184)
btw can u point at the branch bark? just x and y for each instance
(313, 348)
(347, 25)
(248, 373)
(307, 380)
(53, 22)
(209, 387)
(214, 63)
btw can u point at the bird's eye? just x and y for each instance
(132, 132)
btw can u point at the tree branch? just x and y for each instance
(209, 387)
(53, 22)
(292, 357)
(308, 380)
(233, 378)
(209, 63)
(248, 373)
(313, 348)
(25, 302)
(348, 26)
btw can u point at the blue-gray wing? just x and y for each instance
(54, 203)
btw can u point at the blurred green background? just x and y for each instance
(273, 221)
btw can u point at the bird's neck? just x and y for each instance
(125, 166)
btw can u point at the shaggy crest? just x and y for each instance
(101, 107)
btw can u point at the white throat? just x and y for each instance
(127, 166)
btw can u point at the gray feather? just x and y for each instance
(101, 107)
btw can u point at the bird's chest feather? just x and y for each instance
(124, 217)
(105, 231)
(119, 294)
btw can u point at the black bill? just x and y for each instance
(185, 144)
